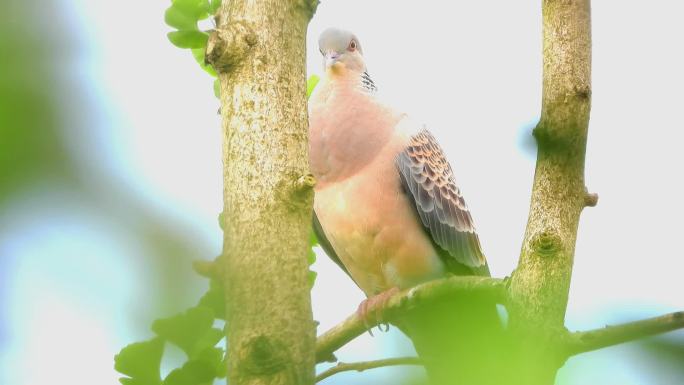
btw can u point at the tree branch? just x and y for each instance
(361, 366)
(540, 284)
(582, 342)
(259, 51)
(353, 326)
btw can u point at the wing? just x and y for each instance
(428, 179)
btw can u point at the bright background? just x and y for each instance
(110, 179)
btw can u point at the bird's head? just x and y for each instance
(341, 50)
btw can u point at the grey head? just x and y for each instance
(341, 48)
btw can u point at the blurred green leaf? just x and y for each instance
(195, 9)
(214, 299)
(140, 361)
(194, 372)
(188, 330)
(313, 241)
(174, 17)
(312, 278)
(215, 357)
(217, 93)
(311, 257)
(221, 219)
(188, 39)
(214, 5)
(208, 340)
(222, 368)
(311, 84)
(198, 54)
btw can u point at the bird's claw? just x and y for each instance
(375, 305)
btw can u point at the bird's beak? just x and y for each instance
(331, 57)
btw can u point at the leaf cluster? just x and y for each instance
(194, 333)
(184, 16)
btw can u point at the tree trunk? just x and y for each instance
(259, 51)
(539, 286)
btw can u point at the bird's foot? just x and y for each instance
(370, 309)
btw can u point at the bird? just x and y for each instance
(387, 208)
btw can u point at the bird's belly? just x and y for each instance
(375, 232)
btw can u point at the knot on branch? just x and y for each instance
(551, 139)
(582, 92)
(546, 244)
(228, 46)
(296, 190)
(590, 199)
(305, 183)
(263, 356)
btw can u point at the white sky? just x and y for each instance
(471, 71)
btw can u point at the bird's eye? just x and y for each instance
(352, 45)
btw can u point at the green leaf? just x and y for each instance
(221, 216)
(188, 330)
(140, 361)
(176, 18)
(188, 39)
(311, 84)
(222, 368)
(312, 278)
(217, 93)
(311, 258)
(209, 340)
(194, 372)
(214, 5)
(214, 299)
(313, 241)
(195, 9)
(198, 54)
(216, 358)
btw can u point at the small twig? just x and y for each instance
(581, 342)
(365, 365)
(353, 326)
(209, 269)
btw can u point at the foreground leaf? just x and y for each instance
(140, 361)
(214, 299)
(195, 9)
(194, 372)
(187, 330)
(174, 17)
(198, 54)
(188, 39)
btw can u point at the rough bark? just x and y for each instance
(258, 49)
(539, 286)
